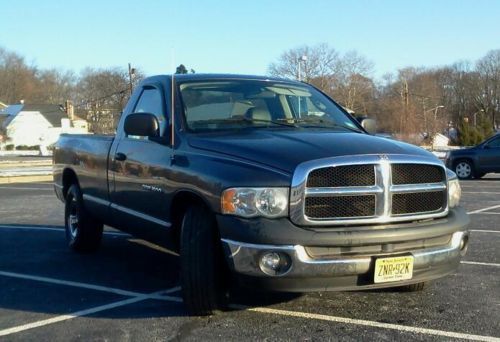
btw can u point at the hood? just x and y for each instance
(286, 149)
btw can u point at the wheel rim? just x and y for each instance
(463, 170)
(73, 220)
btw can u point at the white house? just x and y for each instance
(32, 124)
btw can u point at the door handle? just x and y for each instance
(120, 156)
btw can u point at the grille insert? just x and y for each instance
(340, 207)
(340, 176)
(421, 202)
(417, 174)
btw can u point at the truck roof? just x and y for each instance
(204, 77)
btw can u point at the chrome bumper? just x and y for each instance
(244, 259)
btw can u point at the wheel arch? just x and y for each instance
(181, 201)
(69, 178)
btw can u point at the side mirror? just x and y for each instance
(142, 124)
(369, 125)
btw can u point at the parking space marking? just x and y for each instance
(85, 312)
(481, 192)
(71, 283)
(51, 229)
(22, 188)
(480, 263)
(484, 209)
(485, 231)
(353, 321)
(486, 213)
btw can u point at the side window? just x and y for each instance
(494, 143)
(151, 101)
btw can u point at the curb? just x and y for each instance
(26, 179)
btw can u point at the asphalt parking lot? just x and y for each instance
(129, 289)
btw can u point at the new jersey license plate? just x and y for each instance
(393, 269)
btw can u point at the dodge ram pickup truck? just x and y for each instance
(262, 182)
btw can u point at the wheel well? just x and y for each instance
(69, 178)
(180, 203)
(463, 159)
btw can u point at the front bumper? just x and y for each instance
(347, 272)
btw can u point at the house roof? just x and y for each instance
(53, 113)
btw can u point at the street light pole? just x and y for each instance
(435, 109)
(299, 61)
(475, 116)
(131, 72)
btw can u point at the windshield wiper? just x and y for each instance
(328, 124)
(243, 119)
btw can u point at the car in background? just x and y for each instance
(476, 161)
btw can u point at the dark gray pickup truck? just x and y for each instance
(262, 182)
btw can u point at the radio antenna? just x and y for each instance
(172, 100)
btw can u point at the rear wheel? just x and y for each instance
(203, 272)
(83, 233)
(464, 169)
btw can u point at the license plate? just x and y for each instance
(393, 269)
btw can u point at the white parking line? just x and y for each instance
(486, 213)
(22, 188)
(485, 231)
(70, 283)
(480, 263)
(353, 321)
(85, 312)
(50, 229)
(481, 192)
(484, 209)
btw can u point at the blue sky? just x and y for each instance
(245, 36)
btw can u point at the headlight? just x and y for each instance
(454, 190)
(251, 202)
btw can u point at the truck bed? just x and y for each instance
(87, 156)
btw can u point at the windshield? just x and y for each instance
(234, 104)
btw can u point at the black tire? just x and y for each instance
(83, 233)
(464, 169)
(203, 272)
(413, 287)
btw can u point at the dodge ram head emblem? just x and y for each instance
(384, 157)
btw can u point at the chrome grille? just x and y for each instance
(349, 175)
(419, 202)
(340, 207)
(368, 189)
(417, 174)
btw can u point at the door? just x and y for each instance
(140, 168)
(489, 158)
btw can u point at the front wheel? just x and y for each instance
(464, 169)
(83, 233)
(203, 275)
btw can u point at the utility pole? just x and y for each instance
(131, 72)
(405, 101)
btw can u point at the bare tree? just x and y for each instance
(101, 96)
(488, 69)
(322, 61)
